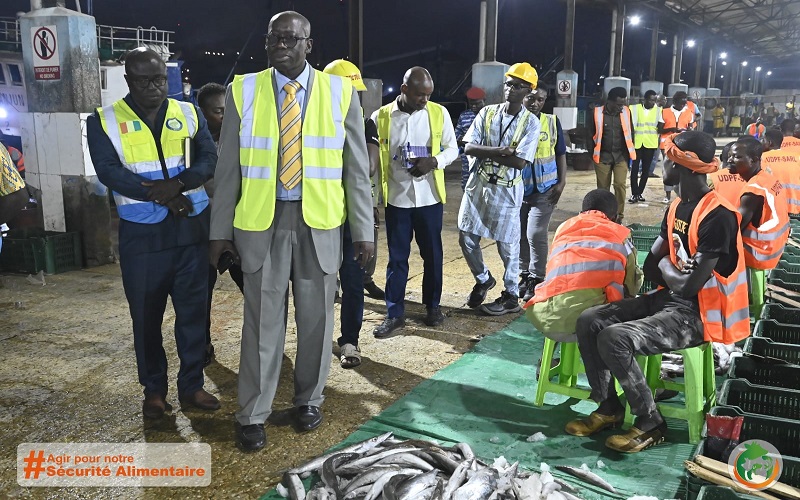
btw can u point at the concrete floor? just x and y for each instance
(68, 373)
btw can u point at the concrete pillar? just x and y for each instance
(356, 27)
(620, 32)
(674, 56)
(654, 49)
(698, 66)
(712, 68)
(676, 77)
(569, 35)
(490, 53)
(567, 80)
(657, 87)
(676, 87)
(372, 98)
(490, 76)
(616, 81)
(482, 33)
(612, 50)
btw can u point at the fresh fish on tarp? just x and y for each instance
(412, 488)
(588, 476)
(296, 489)
(457, 478)
(479, 487)
(361, 447)
(329, 471)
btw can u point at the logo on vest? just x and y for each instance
(174, 124)
(543, 136)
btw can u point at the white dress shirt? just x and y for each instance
(405, 190)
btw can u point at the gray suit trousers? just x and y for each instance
(291, 254)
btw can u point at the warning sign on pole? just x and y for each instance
(46, 63)
(564, 88)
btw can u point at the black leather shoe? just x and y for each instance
(308, 418)
(154, 406)
(479, 292)
(387, 328)
(250, 437)
(434, 317)
(374, 291)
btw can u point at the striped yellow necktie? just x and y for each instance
(291, 138)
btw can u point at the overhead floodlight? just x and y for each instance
(690, 43)
(723, 55)
(663, 42)
(724, 63)
(758, 68)
(744, 63)
(769, 73)
(390, 89)
(635, 20)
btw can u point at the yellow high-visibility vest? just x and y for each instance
(645, 126)
(323, 137)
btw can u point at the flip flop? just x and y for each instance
(349, 356)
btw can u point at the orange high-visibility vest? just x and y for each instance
(724, 306)
(625, 119)
(763, 245)
(756, 131)
(790, 142)
(784, 165)
(684, 120)
(728, 185)
(589, 251)
(17, 158)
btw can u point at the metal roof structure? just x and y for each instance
(763, 28)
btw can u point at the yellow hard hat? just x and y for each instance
(343, 67)
(524, 71)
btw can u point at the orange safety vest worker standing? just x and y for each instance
(728, 185)
(18, 159)
(763, 244)
(784, 164)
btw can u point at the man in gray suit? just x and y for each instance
(285, 225)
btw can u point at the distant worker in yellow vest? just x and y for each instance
(645, 117)
(719, 119)
(417, 142)
(139, 149)
(762, 205)
(613, 138)
(12, 189)
(502, 140)
(698, 259)
(788, 128)
(292, 149)
(784, 164)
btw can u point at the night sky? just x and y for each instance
(441, 35)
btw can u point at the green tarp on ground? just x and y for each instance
(486, 399)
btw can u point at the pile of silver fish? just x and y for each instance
(392, 469)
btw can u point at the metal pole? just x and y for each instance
(674, 56)
(613, 42)
(620, 33)
(569, 35)
(357, 33)
(698, 66)
(491, 30)
(679, 58)
(654, 50)
(712, 69)
(482, 33)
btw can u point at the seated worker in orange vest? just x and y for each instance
(592, 262)
(725, 183)
(756, 129)
(698, 260)
(762, 205)
(784, 164)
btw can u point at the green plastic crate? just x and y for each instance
(785, 279)
(790, 258)
(713, 492)
(643, 236)
(767, 374)
(781, 314)
(791, 267)
(785, 333)
(31, 250)
(782, 433)
(760, 400)
(767, 347)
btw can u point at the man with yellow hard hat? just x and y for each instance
(355, 279)
(501, 141)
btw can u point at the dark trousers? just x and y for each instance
(236, 275)
(425, 225)
(611, 335)
(640, 169)
(351, 277)
(370, 269)
(149, 279)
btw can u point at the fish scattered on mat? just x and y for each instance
(588, 476)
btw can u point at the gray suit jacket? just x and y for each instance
(253, 245)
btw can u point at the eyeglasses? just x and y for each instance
(517, 86)
(143, 82)
(289, 41)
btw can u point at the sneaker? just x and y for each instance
(434, 317)
(654, 176)
(640, 198)
(531, 288)
(666, 201)
(633, 199)
(479, 292)
(388, 327)
(506, 303)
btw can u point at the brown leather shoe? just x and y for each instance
(201, 399)
(593, 424)
(154, 406)
(636, 440)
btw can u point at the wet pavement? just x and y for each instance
(68, 372)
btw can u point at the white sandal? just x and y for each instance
(349, 356)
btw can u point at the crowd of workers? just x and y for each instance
(275, 171)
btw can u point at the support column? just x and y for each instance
(491, 31)
(482, 33)
(569, 35)
(567, 80)
(678, 57)
(654, 49)
(674, 56)
(620, 35)
(357, 33)
(612, 51)
(698, 66)
(712, 69)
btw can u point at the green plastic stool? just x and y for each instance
(567, 370)
(757, 290)
(699, 387)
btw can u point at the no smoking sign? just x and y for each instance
(46, 62)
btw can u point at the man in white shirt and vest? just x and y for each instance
(501, 142)
(417, 142)
(645, 117)
(291, 150)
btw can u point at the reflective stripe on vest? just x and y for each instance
(645, 126)
(764, 245)
(625, 120)
(543, 172)
(501, 171)
(728, 185)
(323, 136)
(589, 252)
(436, 114)
(684, 120)
(724, 307)
(136, 147)
(785, 166)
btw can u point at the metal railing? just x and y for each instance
(9, 34)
